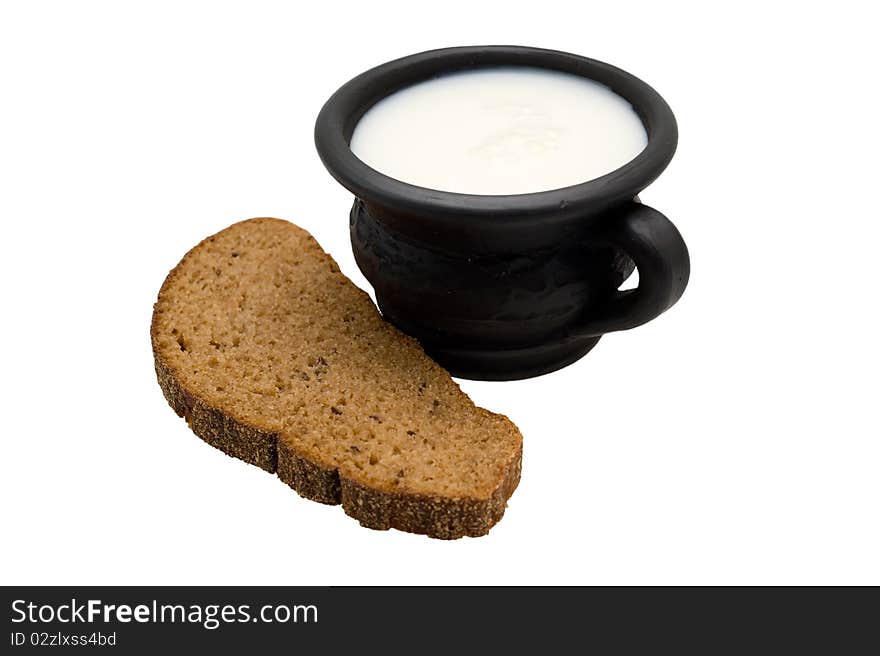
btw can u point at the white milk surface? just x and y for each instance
(499, 131)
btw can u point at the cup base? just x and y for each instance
(510, 364)
(500, 364)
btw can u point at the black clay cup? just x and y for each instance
(513, 286)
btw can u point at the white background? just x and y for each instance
(733, 440)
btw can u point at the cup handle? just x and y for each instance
(662, 259)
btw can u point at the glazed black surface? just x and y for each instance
(502, 287)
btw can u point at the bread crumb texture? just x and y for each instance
(275, 357)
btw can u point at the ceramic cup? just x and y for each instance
(513, 286)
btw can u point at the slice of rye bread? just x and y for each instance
(273, 356)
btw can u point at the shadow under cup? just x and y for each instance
(508, 286)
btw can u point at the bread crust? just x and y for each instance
(434, 516)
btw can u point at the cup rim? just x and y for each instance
(340, 114)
